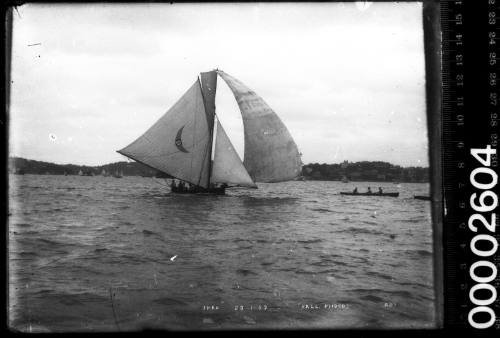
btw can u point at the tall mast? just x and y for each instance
(210, 162)
(208, 82)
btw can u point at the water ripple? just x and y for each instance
(88, 246)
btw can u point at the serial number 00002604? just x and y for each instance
(483, 202)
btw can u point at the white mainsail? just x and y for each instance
(271, 154)
(227, 165)
(178, 143)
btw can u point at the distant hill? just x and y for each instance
(349, 171)
(25, 166)
(365, 171)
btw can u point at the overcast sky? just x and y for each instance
(348, 80)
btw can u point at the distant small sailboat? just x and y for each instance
(180, 143)
(118, 174)
(345, 179)
(80, 173)
(422, 197)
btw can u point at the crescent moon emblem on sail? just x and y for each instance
(178, 141)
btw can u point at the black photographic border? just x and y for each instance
(447, 262)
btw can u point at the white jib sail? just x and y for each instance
(227, 166)
(178, 143)
(271, 154)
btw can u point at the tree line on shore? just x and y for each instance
(365, 171)
(19, 165)
(346, 171)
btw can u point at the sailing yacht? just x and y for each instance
(180, 143)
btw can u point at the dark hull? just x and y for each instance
(424, 198)
(374, 194)
(198, 190)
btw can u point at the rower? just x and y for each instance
(380, 190)
(355, 191)
(369, 190)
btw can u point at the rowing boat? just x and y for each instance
(374, 194)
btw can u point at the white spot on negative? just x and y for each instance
(173, 258)
(52, 137)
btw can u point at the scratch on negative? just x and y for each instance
(111, 296)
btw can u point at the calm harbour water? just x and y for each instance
(107, 254)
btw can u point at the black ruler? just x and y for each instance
(470, 117)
